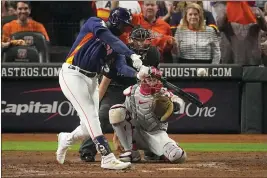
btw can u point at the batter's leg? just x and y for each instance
(113, 95)
(75, 88)
(83, 94)
(88, 150)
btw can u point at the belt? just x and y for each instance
(84, 72)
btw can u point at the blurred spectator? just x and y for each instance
(23, 22)
(160, 30)
(133, 6)
(240, 24)
(264, 38)
(164, 10)
(264, 33)
(260, 4)
(9, 12)
(197, 43)
(208, 6)
(8, 8)
(103, 7)
(177, 16)
(3, 8)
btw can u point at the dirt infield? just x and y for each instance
(199, 164)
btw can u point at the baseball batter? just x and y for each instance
(89, 56)
(140, 123)
(113, 83)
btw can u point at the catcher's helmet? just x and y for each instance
(140, 33)
(118, 19)
(140, 42)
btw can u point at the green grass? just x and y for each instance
(52, 146)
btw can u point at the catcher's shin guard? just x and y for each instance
(122, 127)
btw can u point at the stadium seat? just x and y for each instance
(21, 54)
(7, 19)
(35, 39)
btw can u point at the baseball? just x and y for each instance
(201, 72)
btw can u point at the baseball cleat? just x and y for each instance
(130, 156)
(62, 147)
(110, 162)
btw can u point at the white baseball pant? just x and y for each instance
(82, 92)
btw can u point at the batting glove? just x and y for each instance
(137, 62)
(143, 72)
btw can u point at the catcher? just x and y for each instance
(141, 122)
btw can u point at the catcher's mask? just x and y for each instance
(151, 85)
(140, 40)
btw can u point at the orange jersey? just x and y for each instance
(102, 9)
(161, 31)
(14, 27)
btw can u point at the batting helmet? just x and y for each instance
(118, 19)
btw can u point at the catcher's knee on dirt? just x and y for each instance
(117, 114)
(174, 153)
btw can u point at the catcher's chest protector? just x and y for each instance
(140, 107)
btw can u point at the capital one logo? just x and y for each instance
(56, 108)
(190, 110)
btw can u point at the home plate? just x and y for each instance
(173, 168)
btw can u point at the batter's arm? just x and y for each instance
(115, 43)
(123, 68)
(98, 27)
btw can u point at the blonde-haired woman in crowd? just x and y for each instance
(196, 42)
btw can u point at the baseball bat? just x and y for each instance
(180, 92)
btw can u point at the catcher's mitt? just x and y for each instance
(162, 107)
